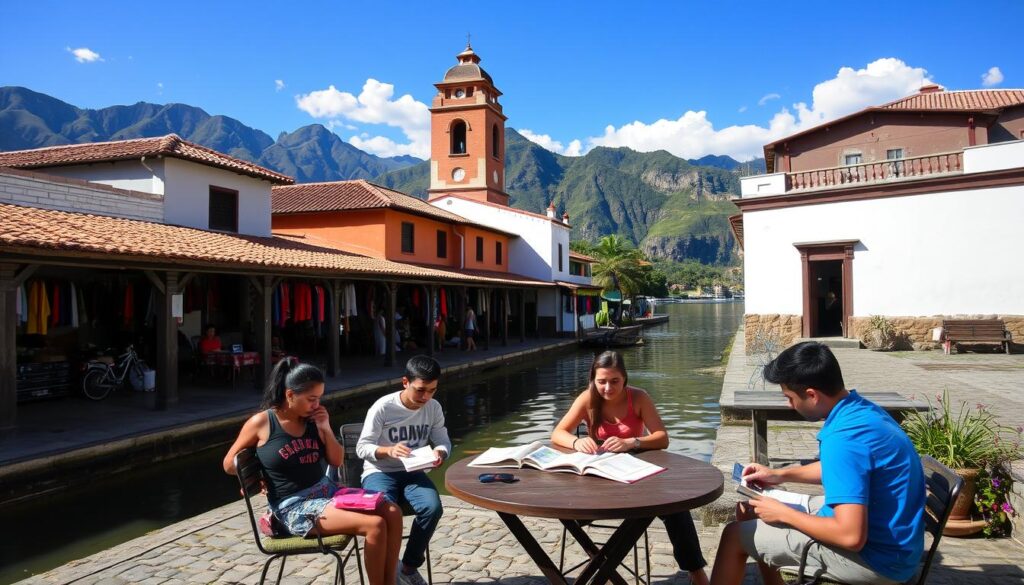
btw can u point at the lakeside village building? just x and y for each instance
(912, 210)
(147, 241)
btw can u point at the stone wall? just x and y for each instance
(787, 328)
(918, 330)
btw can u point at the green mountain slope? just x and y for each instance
(30, 119)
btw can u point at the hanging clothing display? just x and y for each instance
(38, 308)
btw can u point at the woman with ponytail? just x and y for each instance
(294, 443)
(616, 415)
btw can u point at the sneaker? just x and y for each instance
(413, 578)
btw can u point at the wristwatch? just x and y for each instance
(636, 443)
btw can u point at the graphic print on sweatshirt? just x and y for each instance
(306, 449)
(413, 435)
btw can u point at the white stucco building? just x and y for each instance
(193, 185)
(913, 230)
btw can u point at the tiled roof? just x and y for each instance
(31, 229)
(584, 257)
(736, 223)
(171, 145)
(353, 195)
(973, 100)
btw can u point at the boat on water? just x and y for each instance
(627, 336)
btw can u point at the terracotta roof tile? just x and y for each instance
(972, 100)
(171, 146)
(358, 194)
(33, 229)
(583, 257)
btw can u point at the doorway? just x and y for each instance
(827, 302)
(827, 287)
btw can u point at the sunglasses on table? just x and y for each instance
(493, 477)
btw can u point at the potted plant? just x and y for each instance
(978, 448)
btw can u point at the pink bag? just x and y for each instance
(357, 499)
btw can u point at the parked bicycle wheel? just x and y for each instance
(96, 385)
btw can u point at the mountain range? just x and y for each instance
(670, 207)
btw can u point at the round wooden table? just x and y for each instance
(685, 484)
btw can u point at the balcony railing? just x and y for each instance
(876, 172)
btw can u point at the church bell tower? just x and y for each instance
(467, 134)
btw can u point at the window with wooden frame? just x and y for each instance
(479, 249)
(408, 238)
(223, 209)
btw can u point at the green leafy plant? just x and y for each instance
(880, 334)
(966, 438)
(601, 318)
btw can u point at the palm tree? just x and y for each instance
(618, 267)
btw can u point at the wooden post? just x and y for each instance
(428, 296)
(8, 354)
(166, 342)
(462, 316)
(264, 316)
(333, 323)
(390, 322)
(522, 315)
(503, 315)
(487, 322)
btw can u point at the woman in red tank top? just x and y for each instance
(616, 416)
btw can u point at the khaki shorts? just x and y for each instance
(781, 546)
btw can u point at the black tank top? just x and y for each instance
(291, 463)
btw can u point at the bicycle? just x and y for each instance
(100, 378)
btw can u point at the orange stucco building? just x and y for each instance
(367, 219)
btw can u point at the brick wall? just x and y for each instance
(49, 192)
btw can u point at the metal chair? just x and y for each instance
(250, 477)
(943, 487)
(581, 431)
(352, 469)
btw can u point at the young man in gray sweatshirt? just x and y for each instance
(395, 425)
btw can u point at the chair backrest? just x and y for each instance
(351, 464)
(250, 478)
(943, 487)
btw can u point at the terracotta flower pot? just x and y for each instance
(960, 522)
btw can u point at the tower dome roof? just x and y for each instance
(468, 68)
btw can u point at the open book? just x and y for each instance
(800, 502)
(422, 458)
(620, 467)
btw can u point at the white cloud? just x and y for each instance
(767, 98)
(160, 88)
(375, 104)
(693, 134)
(84, 55)
(575, 147)
(992, 77)
(278, 85)
(742, 109)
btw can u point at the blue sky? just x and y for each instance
(693, 78)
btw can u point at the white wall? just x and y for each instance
(187, 196)
(33, 189)
(760, 185)
(994, 157)
(124, 174)
(534, 252)
(908, 262)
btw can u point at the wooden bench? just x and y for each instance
(974, 331)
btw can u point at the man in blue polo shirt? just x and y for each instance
(869, 523)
